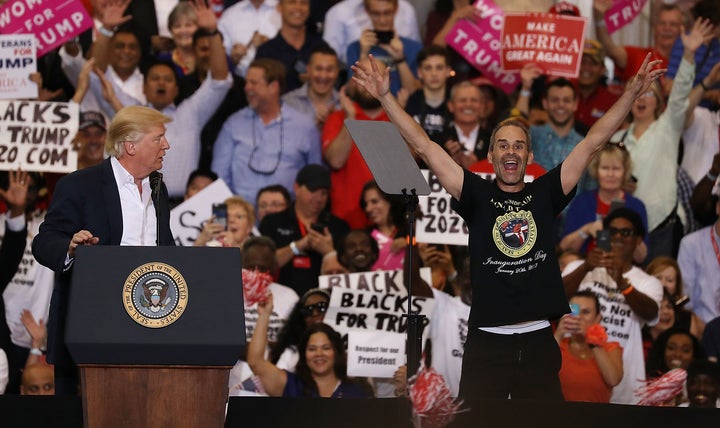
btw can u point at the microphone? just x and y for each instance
(155, 184)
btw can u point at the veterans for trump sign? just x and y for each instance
(51, 21)
(38, 135)
(553, 42)
(17, 61)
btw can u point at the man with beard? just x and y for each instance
(595, 96)
(510, 349)
(90, 140)
(349, 172)
(555, 139)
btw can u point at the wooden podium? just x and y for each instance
(155, 332)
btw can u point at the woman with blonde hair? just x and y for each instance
(611, 168)
(667, 270)
(234, 231)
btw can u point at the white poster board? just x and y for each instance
(38, 135)
(379, 281)
(18, 56)
(187, 219)
(440, 224)
(376, 354)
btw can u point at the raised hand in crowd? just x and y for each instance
(211, 230)
(701, 33)
(440, 261)
(38, 334)
(16, 194)
(346, 103)
(108, 90)
(83, 83)
(206, 18)
(399, 381)
(43, 93)
(528, 74)
(110, 13)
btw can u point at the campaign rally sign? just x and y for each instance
(38, 135)
(379, 281)
(53, 22)
(187, 219)
(439, 224)
(375, 354)
(553, 42)
(478, 41)
(17, 61)
(622, 13)
(366, 310)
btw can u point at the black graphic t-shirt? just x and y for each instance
(515, 273)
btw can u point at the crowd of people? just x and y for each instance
(621, 177)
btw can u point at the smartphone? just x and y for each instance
(318, 227)
(574, 309)
(219, 211)
(615, 204)
(681, 301)
(384, 37)
(602, 239)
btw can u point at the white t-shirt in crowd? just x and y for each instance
(622, 324)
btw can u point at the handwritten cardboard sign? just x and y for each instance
(187, 219)
(440, 224)
(379, 281)
(38, 135)
(351, 310)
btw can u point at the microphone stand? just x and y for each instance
(155, 183)
(414, 318)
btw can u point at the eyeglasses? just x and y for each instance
(647, 94)
(619, 144)
(309, 310)
(263, 158)
(625, 233)
(274, 204)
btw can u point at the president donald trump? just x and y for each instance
(112, 203)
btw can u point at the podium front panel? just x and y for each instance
(207, 327)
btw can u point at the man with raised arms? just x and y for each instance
(517, 288)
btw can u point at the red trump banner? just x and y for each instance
(622, 13)
(553, 42)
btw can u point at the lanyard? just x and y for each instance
(714, 243)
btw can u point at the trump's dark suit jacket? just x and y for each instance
(87, 199)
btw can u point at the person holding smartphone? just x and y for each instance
(230, 225)
(611, 168)
(629, 297)
(397, 52)
(590, 370)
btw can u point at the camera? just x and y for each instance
(384, 37)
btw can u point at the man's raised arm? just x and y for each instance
(603, 129)
(377, 83)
